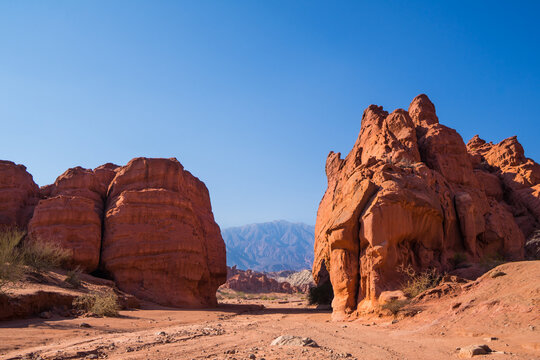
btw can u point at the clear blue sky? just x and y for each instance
(252, 95)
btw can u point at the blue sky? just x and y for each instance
(252, 95)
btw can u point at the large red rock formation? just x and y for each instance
(411, 194)
(161, 242)
(149, 224)
(71, 213)
(19, 194)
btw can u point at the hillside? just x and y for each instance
(272, 246)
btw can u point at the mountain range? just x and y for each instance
(272, 246)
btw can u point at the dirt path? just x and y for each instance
(233, 331)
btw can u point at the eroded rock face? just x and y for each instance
(149, 224)
(19, 194)
(161, 242)
(71, 213)
(410, 193)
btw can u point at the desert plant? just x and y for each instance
(395, 305)
(11, 269)
(322, 294)
(73, 277)
(101, 304)
(44, 256)
(418, 282)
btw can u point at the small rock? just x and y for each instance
(496, 274)
(492, 338)
(45, 315)
(161, 333)
(85, 325)
(252, 356)
(92, 356)
(473, 350)
(532, 327)
(289, 340)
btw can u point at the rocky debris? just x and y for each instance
(290, 340)
(411, 194)
(256, 282)
(19, 194)
(302, 279)
(149, 224)
(473, 350)
(160, 240)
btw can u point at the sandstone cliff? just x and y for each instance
(411, 193)
(148, 224)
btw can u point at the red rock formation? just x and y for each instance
(72, 211)
(255, 282)
(161, 242)
(18, 194)
(408, 194)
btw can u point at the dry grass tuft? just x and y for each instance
(418, 282)
(101, 304)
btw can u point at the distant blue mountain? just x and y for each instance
(273, 246)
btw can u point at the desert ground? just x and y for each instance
(500, 311)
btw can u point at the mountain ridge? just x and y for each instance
(270, 246)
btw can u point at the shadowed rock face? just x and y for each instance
(149, 224)
(410, 192)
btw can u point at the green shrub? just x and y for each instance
(322, 294)
(417, 283)
(395, 305)
(101, 304)
(44, 256)
(73, 277)
(11, 269)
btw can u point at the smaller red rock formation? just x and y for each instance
(72, 211)
(254, 282)
(19, 194)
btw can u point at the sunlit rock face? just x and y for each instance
(411, 193)
(148, 225)
(161, 242)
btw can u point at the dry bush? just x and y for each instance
(44, 256)
(73, 277)
(395, 305)
(418, 282)
(101, 304)
(11, 269)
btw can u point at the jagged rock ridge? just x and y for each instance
(411, 193)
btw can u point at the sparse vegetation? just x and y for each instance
(417, 282)
(395, 305)
(73, 277)
(101, 304)
(44, 256)
(18, 254)
(322, 294)
(11, 269)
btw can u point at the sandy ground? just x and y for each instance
(243, 329)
